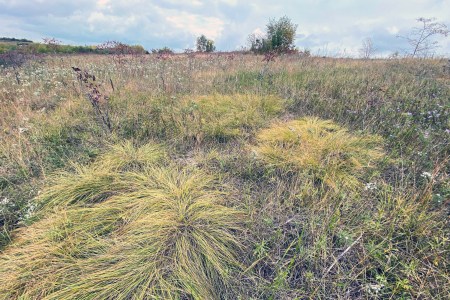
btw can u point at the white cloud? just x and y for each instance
(258, 32)
(102, 3)
(229, 2)
(392, 30)
(197, 24)
(98, 21)
(190, 2)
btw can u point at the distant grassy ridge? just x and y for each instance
(28, 46)
(14, 40)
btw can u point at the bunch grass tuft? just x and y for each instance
(121, 232)
(321, 148)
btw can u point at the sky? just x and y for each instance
(325, 27)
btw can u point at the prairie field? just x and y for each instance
(224, 176)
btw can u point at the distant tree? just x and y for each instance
(204, 44)
(258, 43)
(422, 39)
(367, 49)
(281, 34)
(280, 37)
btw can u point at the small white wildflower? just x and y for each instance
(370, 186)
(4, 201)
(426, 175)
(438, 198)
(375, 287)
(30, 211)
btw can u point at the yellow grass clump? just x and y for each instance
(101, 179)
(321, 148)
(227, 116)
(240, 109)
(151, 232)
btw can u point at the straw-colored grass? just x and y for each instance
(125, 157)
(100, 180)
(321, 148)
(151, 233)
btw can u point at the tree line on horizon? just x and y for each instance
(279, 38)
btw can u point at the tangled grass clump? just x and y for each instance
(321, 148)
(144, 231)
(101, 179)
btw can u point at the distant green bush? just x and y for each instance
(280, 37)
(7, 47)
(164, 50)
(205, 45)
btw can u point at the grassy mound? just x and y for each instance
(321, 148)
(126, 228)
